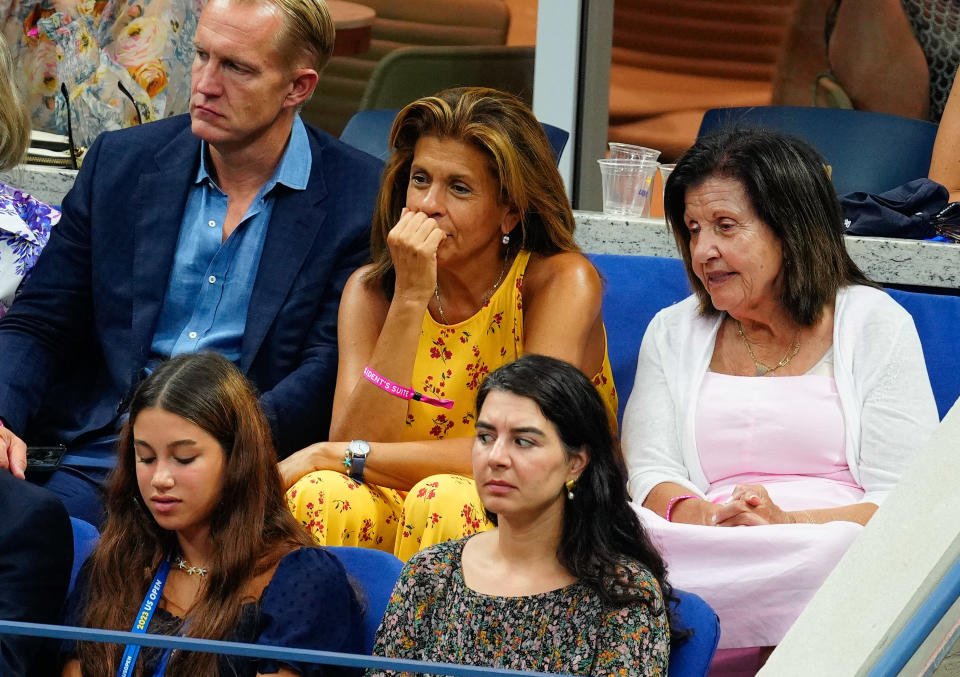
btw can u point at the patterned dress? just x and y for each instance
(452, 361)
(25, 225)
(434, 616)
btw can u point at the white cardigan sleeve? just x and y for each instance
(652, 419)
(897, 410)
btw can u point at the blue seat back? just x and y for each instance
(85, 539)
(376, 572)
(369, 130)
(869, 152)
(637, 287)
(692, 657)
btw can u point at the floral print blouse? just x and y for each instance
(25, 225)
(434, 616)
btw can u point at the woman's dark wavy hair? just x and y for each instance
(251, 528)
(600, 528)
(519, 157)
(788, 186)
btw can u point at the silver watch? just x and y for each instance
(356, 458)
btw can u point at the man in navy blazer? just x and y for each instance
(231, 229)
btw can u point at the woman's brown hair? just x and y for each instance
(251, 528)
(786, 181)
(519, 157)
(14, 121)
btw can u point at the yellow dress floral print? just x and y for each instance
(452, 362)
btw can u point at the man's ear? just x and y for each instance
(304, 82)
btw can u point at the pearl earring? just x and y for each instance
(506, 239)
(570, 484)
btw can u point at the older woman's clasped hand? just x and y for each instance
(413, 245)
(751, 505)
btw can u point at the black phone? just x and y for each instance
(42, 461)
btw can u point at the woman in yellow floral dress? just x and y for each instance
(474, 264)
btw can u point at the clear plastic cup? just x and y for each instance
(626, 186)
(665, 174)
(628, 151)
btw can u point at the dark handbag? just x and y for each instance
(907, 211)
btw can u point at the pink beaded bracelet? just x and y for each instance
(674, 501)
(402, 391)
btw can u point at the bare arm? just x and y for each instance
(398, 465)
(384, 334)
(750, 505)
(945, 163)
(877, 59)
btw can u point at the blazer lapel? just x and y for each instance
(297, 218)
(160, 198)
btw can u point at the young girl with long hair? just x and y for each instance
(195, 510)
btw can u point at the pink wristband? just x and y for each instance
(402, 391)
(674, 501)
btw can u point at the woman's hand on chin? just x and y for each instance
(413, 244)
(318, 456)
(750, 505)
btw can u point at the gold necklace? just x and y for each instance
(191, 570)
(486, 297)
(762, 369)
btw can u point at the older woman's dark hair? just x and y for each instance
(787, 184)
(600, 528)
(251, 527)
(519, 157)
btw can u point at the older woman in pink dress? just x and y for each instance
(786, 395)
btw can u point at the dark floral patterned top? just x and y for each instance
(434, 616)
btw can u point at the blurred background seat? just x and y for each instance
(412, 72)
(402, 24)
(869, 152)
(369, 130)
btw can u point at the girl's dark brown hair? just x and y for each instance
(251, 527)
(519, 157)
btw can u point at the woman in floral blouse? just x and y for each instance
(568, 581)
(25, 222)
(474, 264)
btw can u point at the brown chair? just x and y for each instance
(402, 23)
(674, 59)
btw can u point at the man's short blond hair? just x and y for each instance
(306, 39)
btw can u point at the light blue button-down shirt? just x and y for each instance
(205, 307)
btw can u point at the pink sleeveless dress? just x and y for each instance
(786, 433)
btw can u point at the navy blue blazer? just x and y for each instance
(36, 555)
(74, 343)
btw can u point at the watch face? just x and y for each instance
(359, 448)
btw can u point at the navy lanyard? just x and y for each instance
(142, 621)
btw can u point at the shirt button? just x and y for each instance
(212, 224)
(212, 279)
(192, 334)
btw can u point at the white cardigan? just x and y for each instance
(888, 406)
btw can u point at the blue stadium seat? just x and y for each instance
(85, 539)
(376, 572)
(693, 656)
(869, 152)
(369, 130)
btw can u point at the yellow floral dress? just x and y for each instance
(452, 362)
